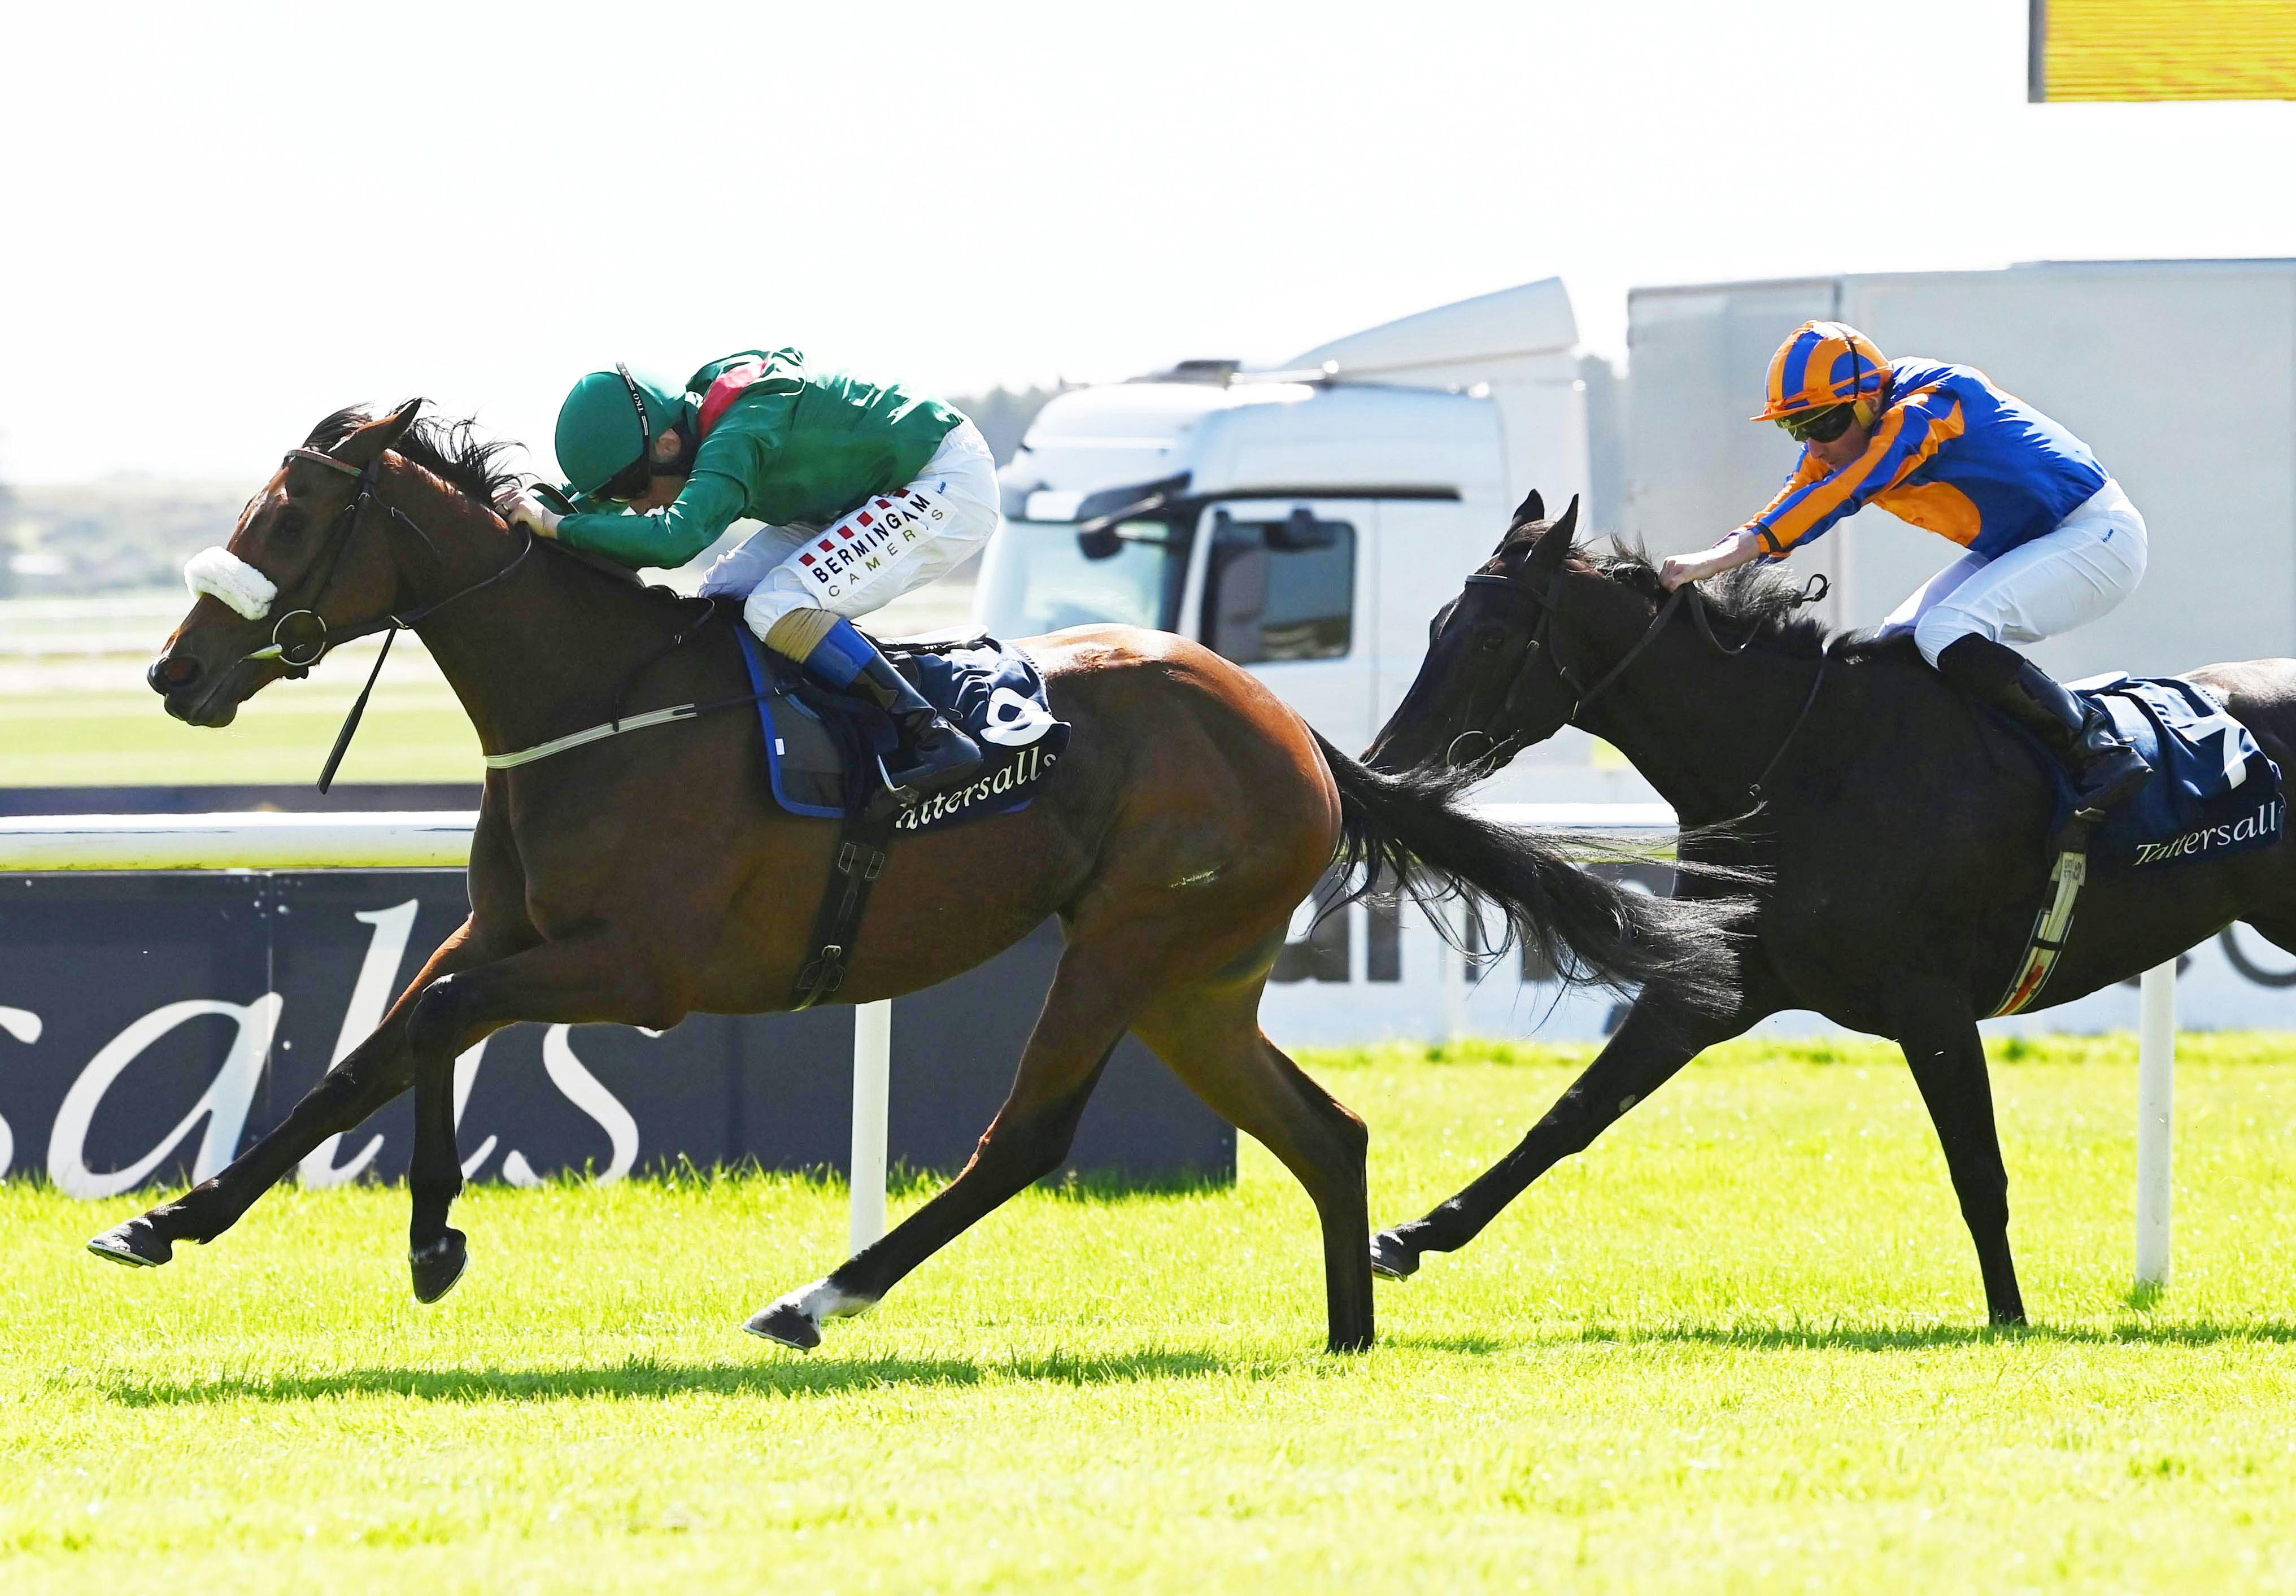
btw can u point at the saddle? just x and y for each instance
(825, 759)
(2214, 792)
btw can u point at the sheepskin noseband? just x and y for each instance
(223, 575)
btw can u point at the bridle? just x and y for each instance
(297, 651)
(1542, 645)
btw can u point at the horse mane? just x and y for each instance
(450, 450)
(1759, 601)
(454, 452)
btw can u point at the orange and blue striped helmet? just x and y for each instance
(1822, 364)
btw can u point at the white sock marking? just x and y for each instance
(821, 1301)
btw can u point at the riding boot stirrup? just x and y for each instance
(2106, 773)
(940, 755)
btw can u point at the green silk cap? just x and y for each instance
(601, 430)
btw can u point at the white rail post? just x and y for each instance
(2156, 1113)
(1451, 965)
(872, 1071)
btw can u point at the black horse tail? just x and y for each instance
(1412, 829)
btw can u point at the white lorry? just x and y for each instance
(1307, 522)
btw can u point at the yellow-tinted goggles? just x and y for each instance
(1820, 426)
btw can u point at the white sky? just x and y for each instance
(219, 223)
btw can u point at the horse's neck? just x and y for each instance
(1699, 726)
(543, 652)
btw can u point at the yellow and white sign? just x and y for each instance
(2163, 50)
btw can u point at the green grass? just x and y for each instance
(412, 732)
(1739, 1345)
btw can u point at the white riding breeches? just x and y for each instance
(2062, 579)
(894, 542)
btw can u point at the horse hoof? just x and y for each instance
(785, 1322)
(138, 1244)
(438, 1267)
(1392, 1259)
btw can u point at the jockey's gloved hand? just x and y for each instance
(530, 511)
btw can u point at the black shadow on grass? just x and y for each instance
(1859, 1337)
(1855, 1338)
(811, 1376)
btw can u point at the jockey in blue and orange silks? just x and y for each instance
(2053, 541)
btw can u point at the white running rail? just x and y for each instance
(245, 842)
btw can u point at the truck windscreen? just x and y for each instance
(1034, 578)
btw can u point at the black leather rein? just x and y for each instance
(297, 654)
(1541, 643)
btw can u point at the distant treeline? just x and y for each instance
(77, 539)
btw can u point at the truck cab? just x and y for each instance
(1306, 530)
(1306, 523)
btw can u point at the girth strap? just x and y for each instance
(853, 871)
(2052, 927)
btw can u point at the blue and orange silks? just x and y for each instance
(1951, 454)
(1822, 364)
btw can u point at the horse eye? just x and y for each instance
(289, 523)
(1489, 638)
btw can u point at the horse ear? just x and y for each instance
(366, 444)
(1532, 508)
(1567, 529)
(1554, 544)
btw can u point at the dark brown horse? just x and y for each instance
(644, 877)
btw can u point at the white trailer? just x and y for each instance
(2181, 374)
(1306, 523)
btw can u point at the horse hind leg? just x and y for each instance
(1092, 1000)
(1211, 1039)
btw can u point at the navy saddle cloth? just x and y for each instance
(823, 747)
(2213, 791)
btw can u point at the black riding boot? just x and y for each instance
(940, 756)
(2106, 772)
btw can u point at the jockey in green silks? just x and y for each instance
(866, 491)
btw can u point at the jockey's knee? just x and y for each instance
(793, 633)
(1945, 626)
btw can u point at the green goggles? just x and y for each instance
(1820, 426)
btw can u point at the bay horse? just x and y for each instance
(1898, 837)
(641, 878)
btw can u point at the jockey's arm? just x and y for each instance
(710, 502)
(1908, 435)
(1814, 498)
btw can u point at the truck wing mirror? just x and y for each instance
(1100, 514)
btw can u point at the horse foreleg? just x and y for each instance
(1091, 1002)
(1654, 1041)
(598, 976)
(434, 1179)
(370, 1076)
(1943, 1049)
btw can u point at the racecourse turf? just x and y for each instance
(1738, 1345)
(413, 732)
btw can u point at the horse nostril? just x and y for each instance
(172, 672)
